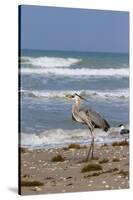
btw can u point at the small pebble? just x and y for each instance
(69, 177)
(32, 167)
(103, 182)
(38, 189)
(69, 184)
(106, 186)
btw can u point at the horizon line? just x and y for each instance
(74, 51)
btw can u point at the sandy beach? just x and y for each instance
(64, 170)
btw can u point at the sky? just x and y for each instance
(72, 29)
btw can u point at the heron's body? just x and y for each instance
(89, 117)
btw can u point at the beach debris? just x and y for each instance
(104, 145)
(106, 186)
(111, 170)
(103, 182)
(53, 183)
(58, 158)
(37, 189)
(104, 160)
(74, 146)
(101, 172)
(123, 173)
(91, 167)
(69, 177)
(115, 160)
(24, 150)
(31, 183)
(49, 178)
(93, 174)
(32, 167)
(26, 176)
(69, 184)
(121, 143)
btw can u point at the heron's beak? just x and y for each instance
(82, 98)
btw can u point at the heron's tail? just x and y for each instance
(107, 126)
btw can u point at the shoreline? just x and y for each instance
(60, 170)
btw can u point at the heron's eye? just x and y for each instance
(72, 96)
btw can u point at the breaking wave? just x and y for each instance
(78, 72)
(122, 94)
(60, 137)
(50, 62)
(56, 137)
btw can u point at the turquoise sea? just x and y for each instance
(47, 76)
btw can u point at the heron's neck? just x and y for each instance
(76, 106)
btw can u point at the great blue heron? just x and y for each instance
(89, 117)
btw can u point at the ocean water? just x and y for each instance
(47, 76)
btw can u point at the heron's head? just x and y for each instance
(75, 96)
(70, 97)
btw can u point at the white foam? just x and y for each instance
(59, 137)
(122, 94)
(78, 72)
(50, 62)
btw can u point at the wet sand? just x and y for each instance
(41, 175)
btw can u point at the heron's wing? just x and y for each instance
(95, 118)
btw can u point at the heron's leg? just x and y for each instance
(88, 155)
(92, 152)
(91, 149)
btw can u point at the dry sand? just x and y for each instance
(66, 176)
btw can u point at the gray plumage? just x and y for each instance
(89, 117)
(88, 114)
